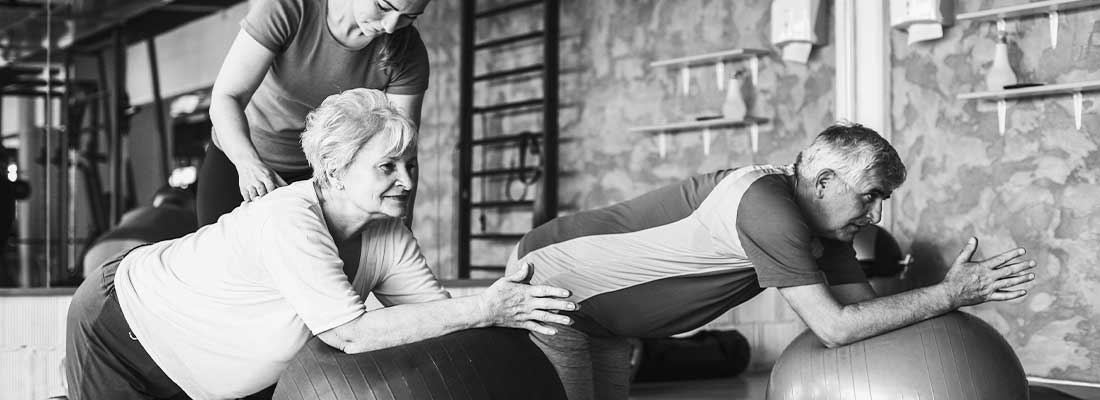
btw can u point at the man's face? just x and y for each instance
(846, 207)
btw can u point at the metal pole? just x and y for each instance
(28, 218)
(550, 112)
(68, 174)
(158, 103)
(100, 123)
(110, 120)
(115, 152)
(49, 146)
(466, 128)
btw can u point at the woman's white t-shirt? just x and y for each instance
(224, 309)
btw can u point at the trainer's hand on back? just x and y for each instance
(256, 180)
(511, 303)
(1002, 277)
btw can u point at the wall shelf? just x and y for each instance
(1034, 91)
(1001, 97)
(1050, 7)
(718, 59)
(718, 56)
(662, 130)
(1024, 10)
(696, 125)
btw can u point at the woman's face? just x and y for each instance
(377, 17)
(379, 184)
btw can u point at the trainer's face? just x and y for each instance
(846, 207)
(377, 17)
(380, 183)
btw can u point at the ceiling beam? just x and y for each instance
(21, 4)
(30, 93)
(191, 8)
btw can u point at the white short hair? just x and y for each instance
(343, 123)
(854, 152)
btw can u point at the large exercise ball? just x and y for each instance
(489, 363)
(953, 356)
(138, 226)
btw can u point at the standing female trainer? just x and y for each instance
(288, 56)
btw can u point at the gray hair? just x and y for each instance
(855, 152)
(343, 123)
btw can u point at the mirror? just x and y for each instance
(65, 121)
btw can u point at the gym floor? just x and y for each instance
(749, 386)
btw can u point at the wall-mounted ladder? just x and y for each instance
(544, 205)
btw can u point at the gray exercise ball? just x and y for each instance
(953, 356)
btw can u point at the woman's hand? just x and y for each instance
(256, 179)
(511, 303)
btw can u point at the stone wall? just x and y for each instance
(607, 86)
(1036, 186)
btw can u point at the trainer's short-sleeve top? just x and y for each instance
(311, 65)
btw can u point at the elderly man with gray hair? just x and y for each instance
(677, 257)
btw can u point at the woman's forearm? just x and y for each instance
(507, 302)
(407, 323)
(231, 129)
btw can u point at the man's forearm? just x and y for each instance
(872, 317)
(838, 324)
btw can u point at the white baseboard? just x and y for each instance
(1036, 379)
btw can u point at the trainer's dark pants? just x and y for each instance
(218, 189)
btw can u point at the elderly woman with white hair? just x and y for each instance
(218, 314)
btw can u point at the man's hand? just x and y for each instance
(998, 278)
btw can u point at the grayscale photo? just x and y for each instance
(549, 199)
